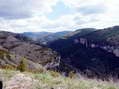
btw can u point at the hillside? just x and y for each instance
(16, 47)
(93, 53)
(107, 39)
(48, 80)
(109, 35)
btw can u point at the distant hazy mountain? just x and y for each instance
(94, 52)
(36, 35)
(45, 37)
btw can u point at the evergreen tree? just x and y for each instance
(22, 65)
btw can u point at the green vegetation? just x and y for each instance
(9, 67)
(54, 74)
(47, 80)
(3, 54)
(23, 65)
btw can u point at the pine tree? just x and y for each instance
(22, 65)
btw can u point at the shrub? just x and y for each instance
(11, 67)
(3, 53)
(111, 88)
(22, 65)
(72, 74)
(40, 70)
(54, 74)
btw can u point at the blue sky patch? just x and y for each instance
(60, 9)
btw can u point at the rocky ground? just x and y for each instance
(50, 80)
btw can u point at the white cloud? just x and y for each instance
(23, 15)
(95, 13)
(13, 9)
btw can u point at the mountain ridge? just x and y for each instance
(91, 53)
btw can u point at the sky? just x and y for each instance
(57, 15)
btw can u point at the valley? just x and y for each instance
(85, 53)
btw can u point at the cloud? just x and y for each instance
(17, 9)
(95, 13)
(92, 9)
(63, 21)
(32, 15)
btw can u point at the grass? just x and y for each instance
(47, 80)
